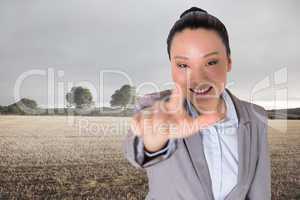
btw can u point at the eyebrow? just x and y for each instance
(209, 54)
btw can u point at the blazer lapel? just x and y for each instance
(244, 146)
(197, 156)
(196, 151)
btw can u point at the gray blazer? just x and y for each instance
(184, 174)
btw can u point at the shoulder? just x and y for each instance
(254, 109)
(248, 110)
(256, 113)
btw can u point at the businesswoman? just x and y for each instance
(198, 140)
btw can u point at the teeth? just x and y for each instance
(202, 90)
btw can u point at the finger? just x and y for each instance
(146, 123)
(204, 121)
(160, 125)
(189, 126)
(175, 104)
(147, 113)
(135, 125)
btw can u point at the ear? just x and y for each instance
(229, 64)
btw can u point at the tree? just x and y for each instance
(29, 103)
(69, 99)
(123, 97)
(2, 109)
(79, 97)
(24, 106)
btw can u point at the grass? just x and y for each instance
(56, 157)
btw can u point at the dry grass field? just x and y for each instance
(81, 158)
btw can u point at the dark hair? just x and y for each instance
(194, 18)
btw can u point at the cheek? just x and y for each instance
(218, 76)
(180, 78)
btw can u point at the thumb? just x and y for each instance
(189, 126)
(175, 104)
(206, 120)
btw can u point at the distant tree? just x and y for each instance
(79, 97)
(3, 109)
(24, 106)
(29, 103)
(14, 109)
(123, 97)
(69, 99)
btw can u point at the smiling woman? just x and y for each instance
(199, 141)
(200, 66)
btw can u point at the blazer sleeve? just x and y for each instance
(261, 184)
(153, 154)
(133, 145)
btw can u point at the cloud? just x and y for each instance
(85, 37)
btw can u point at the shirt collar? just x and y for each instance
(231, 118)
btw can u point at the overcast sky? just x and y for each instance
(77, 39)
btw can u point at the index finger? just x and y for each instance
(175, 104)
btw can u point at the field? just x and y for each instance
(80, 158)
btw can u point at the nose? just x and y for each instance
(197, 78)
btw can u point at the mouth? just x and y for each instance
(201, 92)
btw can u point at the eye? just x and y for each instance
(181, 65)
(213, 62)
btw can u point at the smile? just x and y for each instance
(203, 91)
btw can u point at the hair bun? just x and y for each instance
(194, 10)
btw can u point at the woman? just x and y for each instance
(198, 140)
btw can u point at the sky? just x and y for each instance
(46, 47)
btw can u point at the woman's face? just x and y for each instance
(199, 65)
